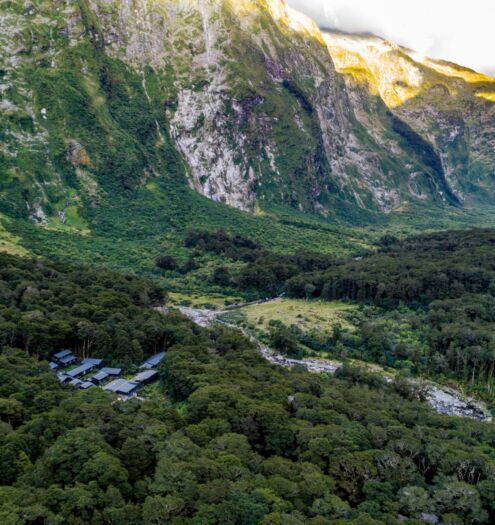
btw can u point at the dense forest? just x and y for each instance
(416, 270)
(265, 272)
(45, 307)
(446, 280)
(234, 440)
(428, 302)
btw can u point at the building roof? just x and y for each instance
(85, 385)
(62, 377)
(106, 372)
(52, 365)
(76, 382)
(121, 386)
(92, 361)
(153, 360)
(80, 370)
(68, 359)
(144, 376)
(100, 376)
(63, 353)
(112, 371)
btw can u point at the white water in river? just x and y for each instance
(442, 399)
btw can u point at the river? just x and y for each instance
(443, 399)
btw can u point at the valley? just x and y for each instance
(131, 131)
(444, 400)
(289, 227)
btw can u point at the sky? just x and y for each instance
(461, 31)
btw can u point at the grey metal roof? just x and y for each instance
(62, 377)
(85, 385)
(144, 376)
(61, 354)
(153, 360)
(52, 365)
(121, 386)
(100, 376)
(80, 370)
(68, 359)
(76, 382)
(92, 361)
(112, 371)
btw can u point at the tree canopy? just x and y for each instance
(231, 439)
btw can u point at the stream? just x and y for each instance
(442, 399)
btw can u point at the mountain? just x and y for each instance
(444, 113)
(230, 162)
(241, 100)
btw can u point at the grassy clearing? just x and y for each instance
(74, 222)
(307, 315)
(9, 242)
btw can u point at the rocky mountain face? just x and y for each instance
(246, 101)
(445, 112)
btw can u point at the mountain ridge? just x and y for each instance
(240, 101)
(446, 104)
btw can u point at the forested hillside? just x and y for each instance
(426, 302)
(47, 307)
(233, 439)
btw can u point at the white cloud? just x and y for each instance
(457, 30)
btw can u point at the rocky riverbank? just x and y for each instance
(444, 400)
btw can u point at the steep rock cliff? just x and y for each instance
(445, 111)
(238, 98)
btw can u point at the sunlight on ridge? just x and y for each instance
(294, 20)
(451, 70)
(397, 74)
(486, 95)
(285, 16)
(376, 64)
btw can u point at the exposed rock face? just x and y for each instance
(77, 155)
(448, 401)
(450, 108)
(241, 97)
(258, 111)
